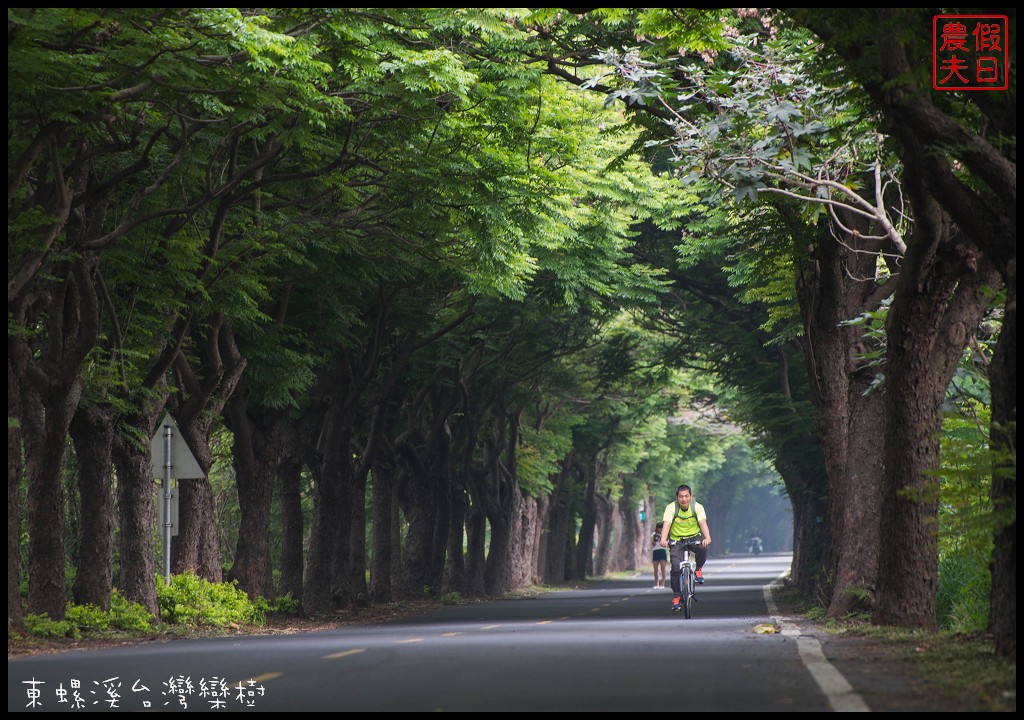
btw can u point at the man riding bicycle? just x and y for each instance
(685, 519)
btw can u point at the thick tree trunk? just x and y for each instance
(543, 535)
(196, 548)
(524, 550)
(440, 472)
(811, 533)
(330, 516)
(357, 589)
(15, 616)
(384, 545)
(838, 286)
(556, 558)
(49, 401)
(505, 507)
(630, 550)
(45, 426)
(584, 556)
(202, 398)
(455, 565)
(134, 467)
(290, 499)
(420, 499)
(258, 447)
(1003, 375)
(476, 543)
(92, 432)
(937, 307)
(499, 572)
(605, 531)
(860, 541)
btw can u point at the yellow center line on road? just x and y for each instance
(450, 634)
(253, 680)
(490, 627)
(344, 653)
(410, 640)
(545, 622)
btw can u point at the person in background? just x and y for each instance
(659, 557)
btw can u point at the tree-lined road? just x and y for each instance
(614, 646)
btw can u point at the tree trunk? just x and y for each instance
(524, 558)
(290, 499)
(45, 427)
(258, 447)
(15, 465)
(543, 535)
(455, 565)
(499, 572)
(585, 543)
(420, 501)
(556, 559)
(358, 591)
(197, 546)
(134, 466)
(605, 530)
(440, 472)
(630, 552)
(938, 306)
(860, 542)
(811, 533)
(328, 510)
(837, 286)
(504, 505)
(92, 432)
(49, 401)
(1003, 376)
(385, 530)
(476, 539)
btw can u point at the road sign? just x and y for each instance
(171, 460)
(184, 465)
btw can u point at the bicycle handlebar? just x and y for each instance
(697, 542)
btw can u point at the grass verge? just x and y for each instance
(961, 668)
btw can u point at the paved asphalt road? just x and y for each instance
(613, 647)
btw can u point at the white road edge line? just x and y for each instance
(841, 695)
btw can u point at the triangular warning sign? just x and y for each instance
(184, 465)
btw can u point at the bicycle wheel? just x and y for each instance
(686, 585)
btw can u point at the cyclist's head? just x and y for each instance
(683, 495)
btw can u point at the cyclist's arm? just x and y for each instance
(668, 517)
(704, 530)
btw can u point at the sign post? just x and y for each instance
(178, 462)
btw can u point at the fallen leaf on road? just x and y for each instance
(766, 629)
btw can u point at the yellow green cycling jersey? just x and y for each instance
(684, 523)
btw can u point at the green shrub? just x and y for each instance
(88, 617)
(287, 605)
(129, 616)
(962, 595)
(191, 600)
(42, 626)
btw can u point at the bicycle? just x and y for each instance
(688, 575)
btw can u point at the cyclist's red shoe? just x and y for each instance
(700, 577)
(675, 604)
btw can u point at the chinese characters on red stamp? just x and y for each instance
(969, 52)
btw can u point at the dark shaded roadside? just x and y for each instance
(897, 670)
